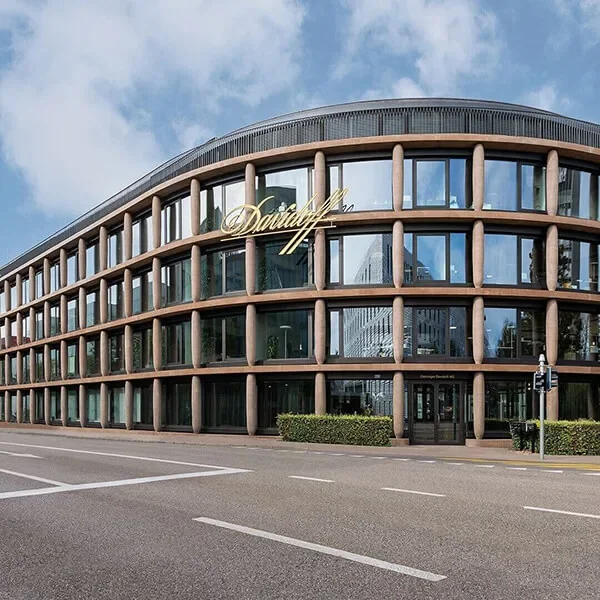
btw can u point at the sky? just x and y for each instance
(93, 95)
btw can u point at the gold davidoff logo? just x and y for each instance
(248, 221)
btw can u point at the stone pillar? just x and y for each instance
(63, 406)
(320, 260)
(64, 360)
(398, 328)
(127, 236)
(104, 366)
(32, 289)
(196, 274)
(398, 178)
(251, 334)
(46, 406)
(129, 405)
(157, 403)
(7, 414)
(128, 349)
(33, 416)
(552, 257)
(63, 267)
(196, 404)
(398, 404)
(128, 293)
(196, 339)
(19, 367)
(82, 357)
(46, 279)
(478, 330)
(195, 206)
(103, 248)
(19, 406)
(156, 284)
(32, 376)
(7, 335)
(398, 254)
(156, 221)
(103, 405)
(103, 300)
(32, 330)
(7, 294)
(479, 405)
(320, 394)
(251, 404)
(47, 362)
(46, 319)
(19, 289)
(552, 183)
(81, 259)
(552, 332)
(320, 191)
(82, 307)
(478, 253)
(320, 331)
(64, 315)
(250, 266)
(157, 344)
(19, 329)
(478, 177)
(552, 405)
(82, 406)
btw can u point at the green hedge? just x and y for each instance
(336, 429)
(566, 437)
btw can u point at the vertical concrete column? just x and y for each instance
(19, 367)
(103, 405)
(81, 259)
(478, 257)
(156, 221)
(103, 248)
(478, 177)
(398, 254)
(19, 406)
(32, 283)
(83, 405)
(46, 278)
(64, 359)
(127, 236)
(82, 357)
(128, 348)
(7, 335)
(33, 416)
(552, 257)
(47, 319)
(62, 266)
(195, 206)
(157, 344)
(19, 289)
(156, 283)
(552, 332)
(82, 308)
(552, 405)
(47, 419)
(250, 260)
(64, 314)
(19, 329)
(103, 299)
(196, 275)
(157, 404)
(478, 330)
(196, 339)
(320, 191)
(398, 404)
(320, 394)
(251, 334)
(251, 404)
(104, 366)
(63, 406)
(6, 367)
(479, 405)
(7, 415)
(320, 331)
(552, 183)
(32, 376)
(128, 292)
(129, 405)
(32, 331)
(398, 177)
(320, 260)
(7, 294)
(47, 362)
(196, 404)
(398, 328)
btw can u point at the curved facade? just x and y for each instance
(465, 244)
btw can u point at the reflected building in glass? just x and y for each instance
(466, 246)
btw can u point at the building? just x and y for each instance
(467, 244)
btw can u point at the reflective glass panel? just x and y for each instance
(362, 332)
(284, 396)
(431, 258)
(577, 194)
(286, 187)
(533, 187)
(360, 396)
(223, 338)
(369, 185)
(224, 405)
(500, 259)
(285, 334)
(500, 185)
(577, 336)
(501, 334)
(275, 271)
(431, 183)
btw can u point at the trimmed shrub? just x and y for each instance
(335, 429)
(565, 437)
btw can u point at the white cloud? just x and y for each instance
(80, 99)
(445, 40)
(584, 17)
(405, 87)
(547, 97)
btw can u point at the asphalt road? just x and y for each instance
(84, 518)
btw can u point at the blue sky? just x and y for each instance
(94, 95)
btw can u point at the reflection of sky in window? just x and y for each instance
(295, 179)
(500, 185)
(458, 180)
(457, 258)
(356, 249)
(234, 195)
(495, 319)
(431, 183)
(500, 258)
(369, 184)
(431, 253)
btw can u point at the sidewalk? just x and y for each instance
(274, 442)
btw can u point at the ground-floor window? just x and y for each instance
(359, 396)
(284, 396)
(143, 416)
(93, 406)
(224, 405)
(55, 414)
(26, 408)
(39, 406)
(72, 406)
(578, 400)
(116, 406)
(177, 404)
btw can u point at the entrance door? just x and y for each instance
(436, 415)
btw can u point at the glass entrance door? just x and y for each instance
(436, 413)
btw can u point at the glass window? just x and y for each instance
(359, 396)
(369, 184)
(578, 400)
(116, 405)
(72, 314)
(176, 280)
(284, 396)
(39, 406)
(275, 271)
(177, 404)
(176, 220)
(223, 272)
(25, 296)
(39, 365)
(577, 194)
(502, 254)
(513, 333)
(115, 345)
(283, 189)
(54, 319)
(13, 370)
(116, 308)
(13, 295)
(26, 329)
(26, 408)
(177, 343)
(93, 308)
(92, 352)
(55, 276)
(72, 275)
(285, 334)
(578, 265)
(141, 234)
(142, 349)
(224, 405)
(72, 405)
(54, 363)
(92, 259)
(39, 283)
(223, 338)
(514, 186)
(115, 248)
(93, 405)
(143, 413)
(73, 360)
(39, 324)
(55, 412)
(431, 183)
(26, 368)
(533, 188)
(577, 336)
(217, 201)
(533, 262)
(507, 401)
(361, 332)
(365, 259)
(142, 296)
(2, 303)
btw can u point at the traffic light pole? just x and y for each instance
(542, 406)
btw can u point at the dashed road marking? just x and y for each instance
(484, 466)
(516, 468)
(311, 478)
(356, 455)
(19, 454)
(379, 457)
(551, 471)
(388, 489)
(34, 478)
(456, 464)
(427, 461)
(562, 512)
(402, 459)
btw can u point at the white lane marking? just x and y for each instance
(311, 478)
(379, 457)
(34, 478)
(388, 489)
(402, 459)
(484, 466)
(281, 450)
(359, 558)
(19, 454)
(313, 452)
(551, 471)
(593, 474)
(427, 461)
(119, 483)
(562, 512)
(299, 451)
(516, 468)
(455, 464)
(356, 455)
(335, 454)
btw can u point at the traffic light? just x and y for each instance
(539, 381)
(551, 378)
